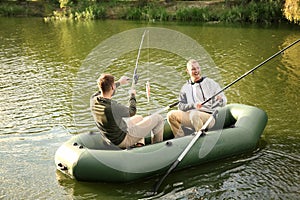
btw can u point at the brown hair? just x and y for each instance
(105, 82)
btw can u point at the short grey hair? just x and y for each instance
(191, 62)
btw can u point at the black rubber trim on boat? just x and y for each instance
(168, 143)
(62, 167)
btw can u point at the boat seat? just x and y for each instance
(224, 120)
(98, 141)
(188, 130)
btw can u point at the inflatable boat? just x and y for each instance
(91, 157)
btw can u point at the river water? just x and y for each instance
(48, 72)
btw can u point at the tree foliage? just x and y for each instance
(63, 3)
(292, 10)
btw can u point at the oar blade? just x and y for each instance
(158, 184)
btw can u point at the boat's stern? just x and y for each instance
(67, 156)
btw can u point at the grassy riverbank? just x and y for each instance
(248, 11)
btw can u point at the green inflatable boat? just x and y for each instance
(89, 157)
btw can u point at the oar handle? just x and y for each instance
(174, 104)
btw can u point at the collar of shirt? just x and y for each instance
(199, 81)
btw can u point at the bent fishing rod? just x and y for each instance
(235, 81)
(135, 76)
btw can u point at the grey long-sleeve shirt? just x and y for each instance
(192, 93)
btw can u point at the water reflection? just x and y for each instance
(290, 69)
(86, 190)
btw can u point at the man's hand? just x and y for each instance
(123, 80)
(132, 92)
(219, 98)
(198, 106)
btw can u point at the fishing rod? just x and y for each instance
(235, 81)
(202, 131)
(135, 76)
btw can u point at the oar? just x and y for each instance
(135, 75)
(206, 124)
(235, 81)
(186, 150)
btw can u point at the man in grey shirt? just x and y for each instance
(191, 113)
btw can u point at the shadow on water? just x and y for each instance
(193, 183)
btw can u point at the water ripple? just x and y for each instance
(40, 73)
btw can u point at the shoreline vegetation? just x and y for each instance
(232, 11)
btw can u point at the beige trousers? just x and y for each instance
(192, 119)
(139, 128)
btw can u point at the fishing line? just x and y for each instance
(148, 72)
